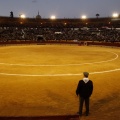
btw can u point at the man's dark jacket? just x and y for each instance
(84, 89)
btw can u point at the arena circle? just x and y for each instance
(113, 56)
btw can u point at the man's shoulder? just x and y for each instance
(80, 80)
(83, 81)
(90, 81)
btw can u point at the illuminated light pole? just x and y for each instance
(53, 17)
(115, 15)
(84, 17)
(22, 16)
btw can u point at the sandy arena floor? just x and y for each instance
(38, 80)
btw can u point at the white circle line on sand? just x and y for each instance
(52, 75)
(25, 65)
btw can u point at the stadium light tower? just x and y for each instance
(115, 15)
(22, 16)
(84, 17)
(53, 17)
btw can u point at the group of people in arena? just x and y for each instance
(84, 33)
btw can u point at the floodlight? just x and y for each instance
(84, 17)
(53, 17)
(22, 16)
(115, 15)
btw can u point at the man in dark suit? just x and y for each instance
(84, 90)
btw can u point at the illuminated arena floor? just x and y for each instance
(40, 80)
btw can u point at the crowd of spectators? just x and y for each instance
(56, 33)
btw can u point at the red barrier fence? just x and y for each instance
(87, 43)
(116, 44)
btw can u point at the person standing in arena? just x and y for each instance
(84, 91)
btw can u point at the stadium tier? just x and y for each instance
(37, 29)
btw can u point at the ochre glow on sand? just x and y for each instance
(59, 68)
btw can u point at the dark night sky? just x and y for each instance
(59, 8)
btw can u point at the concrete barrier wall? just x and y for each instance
(116, 44)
